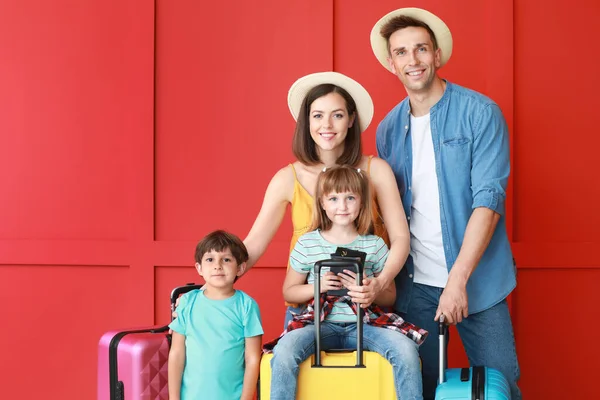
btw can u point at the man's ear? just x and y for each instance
(199, 268)
(438, 58)
(241, 269)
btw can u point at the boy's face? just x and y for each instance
(219, 269)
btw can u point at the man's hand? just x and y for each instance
(454, 303)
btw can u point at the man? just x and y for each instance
(449, 149)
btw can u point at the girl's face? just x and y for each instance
(329, 122)
(341, 208)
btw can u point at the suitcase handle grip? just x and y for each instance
(358, 268)
(443, 355)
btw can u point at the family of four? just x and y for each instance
(439, 184)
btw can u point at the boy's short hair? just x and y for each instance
(220, 241)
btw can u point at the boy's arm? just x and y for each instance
(252, 357)
(176, 364)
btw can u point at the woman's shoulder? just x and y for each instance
(286, 173)
(375, 166)
(374, 162)
(282, 183)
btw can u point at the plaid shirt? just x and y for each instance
(383, 319)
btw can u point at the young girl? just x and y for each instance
(331, 110)
(342, 218)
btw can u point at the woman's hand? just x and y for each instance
(330, 281)
(365, 294)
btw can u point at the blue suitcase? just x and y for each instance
(477, 383)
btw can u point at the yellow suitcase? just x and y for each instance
(337, 375)
(373, 382)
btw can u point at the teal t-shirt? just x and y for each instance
(215, 333)
(312, 247)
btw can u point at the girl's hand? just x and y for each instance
(330, 281)
(348, 278)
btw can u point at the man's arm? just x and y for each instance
(489, 176)
(252, 356)
(454, 302)
(176, 364)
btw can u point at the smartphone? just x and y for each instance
(338, 292)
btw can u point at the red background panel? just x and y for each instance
(222, 123)
(556, 140)
(557, 329)
(129, 129)
(70, 75)
(52, 318)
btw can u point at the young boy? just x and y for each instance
(216, 346)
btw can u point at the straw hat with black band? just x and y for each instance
(440, 30)
(364, 103)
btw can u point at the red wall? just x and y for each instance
(129, 129)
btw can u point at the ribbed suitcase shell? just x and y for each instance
(496, 386)
(142, 360)
(375, 382)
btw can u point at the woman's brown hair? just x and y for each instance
(339, 179)
(303, 145)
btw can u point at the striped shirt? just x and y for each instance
(312, 247)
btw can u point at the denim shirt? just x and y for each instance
(471, 148)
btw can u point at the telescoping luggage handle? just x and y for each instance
(478, 378)
(358, 268)
(117, 391)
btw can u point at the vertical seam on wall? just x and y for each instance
(333, 35)
(154, 61)
(513, 308)
(514, 113)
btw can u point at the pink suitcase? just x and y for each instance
(132, 364)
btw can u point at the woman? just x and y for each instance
(331, 111)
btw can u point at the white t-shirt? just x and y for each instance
(426, 246)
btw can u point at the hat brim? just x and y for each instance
(439, 28)
(364, 103)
